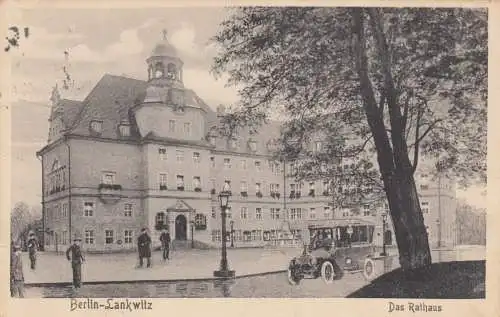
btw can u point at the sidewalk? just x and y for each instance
(53, 268)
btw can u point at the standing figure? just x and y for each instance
(144, 247)
(76, 259)
(165, 243)
(32, 248)
(16, 272)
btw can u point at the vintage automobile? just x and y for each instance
(336, 247)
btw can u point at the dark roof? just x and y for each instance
(113, 96)
(109, 101)
(70, 110)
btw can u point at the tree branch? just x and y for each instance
(417, 142)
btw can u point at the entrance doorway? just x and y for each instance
(181, 228)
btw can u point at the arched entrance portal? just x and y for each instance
(180, 227)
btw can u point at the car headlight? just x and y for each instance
(348, 261)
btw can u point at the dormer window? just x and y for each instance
(252, 144)
(96, 126)
(212, 139)
(124, 130)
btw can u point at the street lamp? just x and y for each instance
(384, 219)
(224, 271)
(232, 233)
(192, 233)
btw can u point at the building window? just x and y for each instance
(212, 139)
(96, 126)
(326, 212)
(244, 189)
(258, 213)
(127, 210)
(128, 236)
(235, 143)
(124, 130)
(275, 213)
(65, 209)
(179, 155)
(64, 237)
(366, 210)
(312, 213)
(227, 163)
(187, 128)
(180, 182)
(89, 237)
(258, 166)
(424, 187)
(160, 220)
(109, 236)
(163, 181)
(318, 146)
(200, 222)
(253, 145)
(108, 178)
(196, 157)
(247, 236)
(237, 235)
(171, 126)
(214, 212)
(295, 213)
(212, 162)
(244, 213)
(162, 153)
(257, 188)
(256, 235)
(424, 206)
(243, 164)
(88, 209)
(197, 183)
(216, 235)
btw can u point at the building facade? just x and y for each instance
(145, 154)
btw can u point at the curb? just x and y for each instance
(206, 279)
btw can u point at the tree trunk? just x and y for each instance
(394, 164)
(409, 227)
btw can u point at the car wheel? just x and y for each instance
(369, 269)
(327, 272)
(292, 277)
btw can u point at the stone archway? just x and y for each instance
(180, 227)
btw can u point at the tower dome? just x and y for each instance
(164, 48)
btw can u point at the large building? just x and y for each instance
(137, 154)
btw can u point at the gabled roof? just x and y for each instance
(70, 110)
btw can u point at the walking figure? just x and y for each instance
(165, 243)
(32, 249)
(76, 259)
(144, 247)
(16, 272)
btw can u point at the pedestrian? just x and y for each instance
(76, 259)
(144, 247)
(16, 272)
(32, 249)
(165, 244)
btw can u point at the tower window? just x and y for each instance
(171, 71)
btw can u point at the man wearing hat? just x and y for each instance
(76, 259)
(165, 243)
(144, 247)
(32, 248)
(16, 272)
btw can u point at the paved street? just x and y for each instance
(184, 264)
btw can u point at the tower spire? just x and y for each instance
(164, 32)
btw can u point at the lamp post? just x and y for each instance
(384, 218)
(192, 234)
(232, 233)
(223, 270)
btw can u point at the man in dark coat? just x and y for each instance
(32, 248)
(76, 259)
(16, 273)
(165, 243)
(144, 247)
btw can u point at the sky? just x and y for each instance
(99, 41)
